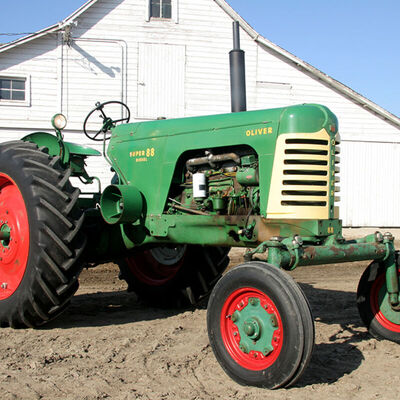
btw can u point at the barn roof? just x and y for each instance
(299, 63)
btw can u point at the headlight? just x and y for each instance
(59, 121)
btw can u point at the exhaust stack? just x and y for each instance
(238, 73)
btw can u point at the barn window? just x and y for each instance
(12, 89)
(160, 9)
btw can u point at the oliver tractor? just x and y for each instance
(184, 192)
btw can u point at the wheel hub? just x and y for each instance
(252, 329)
(168, 255)
(14, 236)
(256, 327)
(4, 234)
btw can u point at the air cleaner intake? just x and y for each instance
(120, 203)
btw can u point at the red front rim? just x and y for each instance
(378, 285)
(254, 360)
(15, 250)
(151, 272)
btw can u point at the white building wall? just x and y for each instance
(370, 184)
(38, 62)
(103, 64)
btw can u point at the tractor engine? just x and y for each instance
(218, 182)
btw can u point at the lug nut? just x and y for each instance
(267, 350)
(244, 348)
(253, 301)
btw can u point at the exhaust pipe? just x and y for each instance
(238, 73)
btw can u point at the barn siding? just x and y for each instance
(104, 63)
(369, 187)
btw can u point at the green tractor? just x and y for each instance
(184, 192)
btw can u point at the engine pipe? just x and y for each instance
(237, 72)
(211, 159)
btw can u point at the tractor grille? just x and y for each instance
(336, 188)
(305, 175)
(302, 181)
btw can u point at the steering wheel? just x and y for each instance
(108, 123)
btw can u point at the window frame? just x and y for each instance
(18, 103)
(161, 10)
(174, 13)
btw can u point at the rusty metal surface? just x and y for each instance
(312, 255)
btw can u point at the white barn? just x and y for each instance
(170, 58)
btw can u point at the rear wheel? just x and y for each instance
(40, 236)
(260, 326)
(175, 275)
(382, 321)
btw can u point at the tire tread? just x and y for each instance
(57, 241)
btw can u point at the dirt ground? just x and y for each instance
(108, 345)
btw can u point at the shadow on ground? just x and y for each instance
(338, 355)
(108, 308)
(332, 359)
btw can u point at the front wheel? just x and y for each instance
(382, 321)
(260, 326)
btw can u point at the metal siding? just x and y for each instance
(369, 186)
(38, 61)
(161, 81)
(92, 72)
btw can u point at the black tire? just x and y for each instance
(186, 280)
(292, 341)
(49, 275)
(309, 339)
(380, 319)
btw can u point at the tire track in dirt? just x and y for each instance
(108, 345)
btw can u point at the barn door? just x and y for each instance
(161, 81)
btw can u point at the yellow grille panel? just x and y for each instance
(300, 177)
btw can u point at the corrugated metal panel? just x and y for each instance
(370, 184)
(161, 80)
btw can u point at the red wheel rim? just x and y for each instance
(253, 360)
(14, 251)
(378, 285)
(149, 271)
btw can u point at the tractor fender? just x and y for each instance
(59, 148)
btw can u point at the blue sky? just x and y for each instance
(355, 41)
